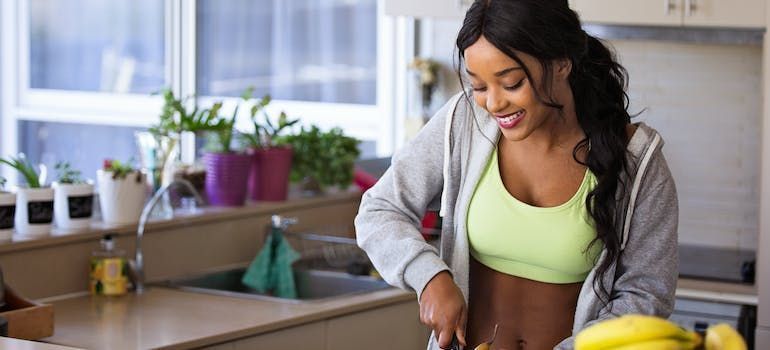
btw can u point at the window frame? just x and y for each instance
(19, 102)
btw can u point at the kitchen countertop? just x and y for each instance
(170, 319)
(19, 344)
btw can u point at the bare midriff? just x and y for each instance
(530, 315)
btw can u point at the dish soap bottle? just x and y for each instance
(109, 269)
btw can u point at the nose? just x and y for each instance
(496, 101)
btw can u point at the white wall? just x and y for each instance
(706, 102)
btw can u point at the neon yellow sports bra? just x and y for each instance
(541, 244)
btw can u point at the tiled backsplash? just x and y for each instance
(706, 101)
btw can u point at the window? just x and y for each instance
(95, 45)
(78, 75)
(321, 51)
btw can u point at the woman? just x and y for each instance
(558, 212)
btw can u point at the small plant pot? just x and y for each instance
(269, 176)
(227, 175)
(121, 199)
(7, 213)
(34, 211)
(73, 206)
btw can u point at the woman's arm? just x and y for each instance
(388, 221)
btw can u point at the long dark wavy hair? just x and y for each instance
(549, 30)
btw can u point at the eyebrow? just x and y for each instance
(498, 74)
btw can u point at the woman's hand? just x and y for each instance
(443, 309)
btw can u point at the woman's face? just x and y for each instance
(502, 88)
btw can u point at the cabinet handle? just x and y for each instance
(689, 7)
(668, 6)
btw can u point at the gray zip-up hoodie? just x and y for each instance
(439, 169)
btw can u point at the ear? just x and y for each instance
(562, 68)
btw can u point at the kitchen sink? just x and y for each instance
(312, 285)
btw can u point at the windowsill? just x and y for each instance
(180, 219)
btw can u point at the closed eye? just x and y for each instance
(516, 86)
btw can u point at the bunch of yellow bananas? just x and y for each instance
(640, 332)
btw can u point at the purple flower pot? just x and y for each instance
(269, 177)
(226, 178)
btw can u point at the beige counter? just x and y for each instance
(18, 344)
(169, 318)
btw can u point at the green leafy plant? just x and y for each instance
(264, 135)
(175, 117)
(120, 170)
(24, 168)
(67, 175)
(2, 183)
(221, 137)
(326, 157)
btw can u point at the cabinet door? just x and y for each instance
(427, 8)
(725, 13)
(390, 327)
(310, 336)
(630, 12)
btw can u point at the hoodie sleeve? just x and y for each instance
(388, 220)
(647, 269)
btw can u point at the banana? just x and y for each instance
(657, 344)
(724, 337)
(630, 329)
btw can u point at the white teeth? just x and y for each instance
(512, 117)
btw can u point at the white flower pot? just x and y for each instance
(7, 212)
(73, 206)
(34, 211)
(121, 200)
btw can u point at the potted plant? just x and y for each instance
(7, 212)
(227, 170)
(322, 159)
(122, 192)
(34, 203)
(269, 175)
(73, 200)
(168, 148)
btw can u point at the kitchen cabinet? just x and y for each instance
(696, 13)
(629, 12)
(395, 326)
(310, 336)
(427, 8)
(391, 327)
(700, 13)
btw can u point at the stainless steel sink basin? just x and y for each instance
(312, 285)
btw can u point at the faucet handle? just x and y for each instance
(282, 223)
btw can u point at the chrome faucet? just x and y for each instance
(138, 263)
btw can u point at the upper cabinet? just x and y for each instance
(427, 8)
(702, 13)
(725, 13)
(629, 12)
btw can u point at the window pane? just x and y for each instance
(97, 45)
(83, 146)
(304, 50)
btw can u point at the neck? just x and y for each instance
(560, 132)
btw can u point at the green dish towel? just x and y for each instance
(271, 271)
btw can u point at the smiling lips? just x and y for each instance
(509, 121)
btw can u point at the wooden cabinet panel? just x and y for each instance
(427, 8)
(311, 337)
(391, 327)
(630, 12)
(725, 13)
(702, 13)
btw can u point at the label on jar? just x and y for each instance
(109, 276)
